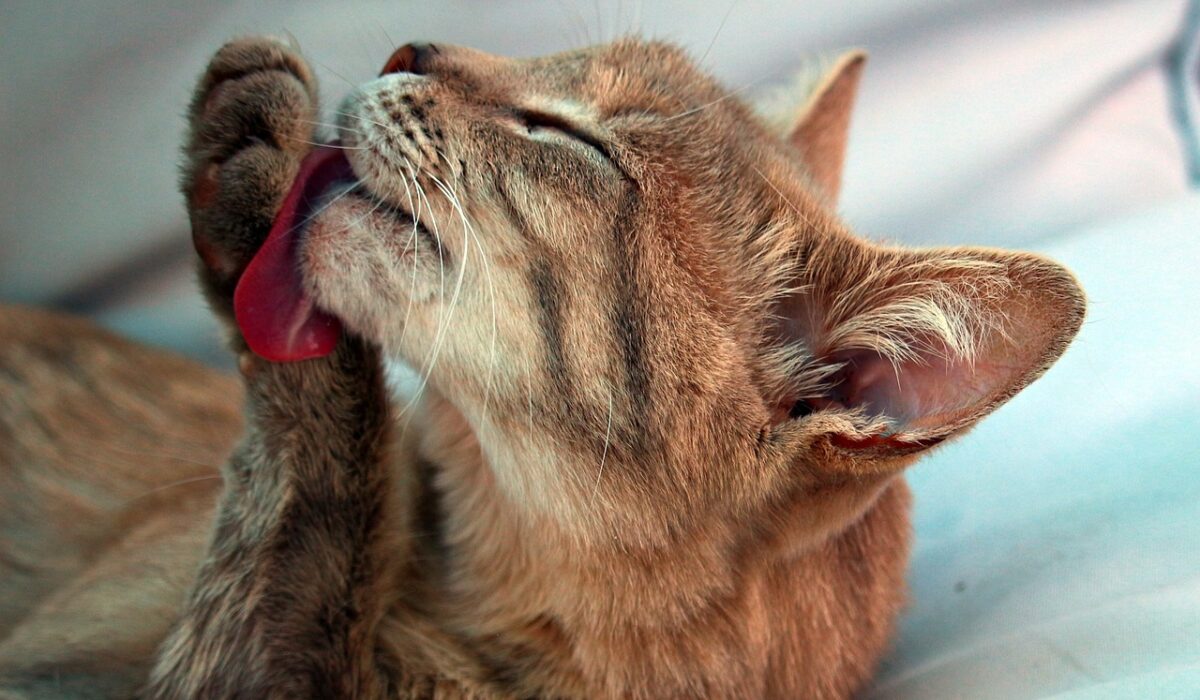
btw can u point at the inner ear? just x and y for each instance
(922, 394)
(921, 344)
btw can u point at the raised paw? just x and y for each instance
(250, 123)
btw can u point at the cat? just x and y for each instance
(667, 399)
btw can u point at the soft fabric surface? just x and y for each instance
(1057, 545)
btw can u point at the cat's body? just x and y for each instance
(104, 522)
(679, 479)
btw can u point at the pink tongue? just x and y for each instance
(276, 317)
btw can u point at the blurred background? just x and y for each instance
(1058, 545)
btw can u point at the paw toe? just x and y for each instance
(251, 123)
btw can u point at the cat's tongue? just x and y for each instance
(275, 315)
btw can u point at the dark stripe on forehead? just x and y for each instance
(429, 516)
(629, 316)
(547, 292)
(518, 219)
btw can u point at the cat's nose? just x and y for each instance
(410, 58)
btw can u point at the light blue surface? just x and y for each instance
(1058, 545)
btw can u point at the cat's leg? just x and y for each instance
(288, 599)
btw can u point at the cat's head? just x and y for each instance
(637, 292)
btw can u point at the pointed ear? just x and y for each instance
(820, 128)
(916, 346)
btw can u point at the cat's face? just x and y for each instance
(511, 171)
(511, 199)
(556, 237)
(604, 256)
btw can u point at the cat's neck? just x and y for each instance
(521, 559)
(490, 573)
(487, 570)
(508, 521)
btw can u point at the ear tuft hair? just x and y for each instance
(924, 342)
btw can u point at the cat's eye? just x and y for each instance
(534, 120)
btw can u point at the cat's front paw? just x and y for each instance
(250, 123)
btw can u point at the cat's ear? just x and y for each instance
(902, 349)
(820, 127)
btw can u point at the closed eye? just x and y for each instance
(534, 120)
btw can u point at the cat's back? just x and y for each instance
(73, 393)
(97, 436)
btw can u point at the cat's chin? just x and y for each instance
(333, 246)
(359, 264)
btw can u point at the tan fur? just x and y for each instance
(821, 128)
(657, 448)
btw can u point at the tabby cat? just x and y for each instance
(656, 452)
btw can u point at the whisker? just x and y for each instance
(424, 197)
(786, 201)
(457, 204)
(321, 209)
(411, 242)
(444, 322)
(434, 354)
(727, 96)
(359, 117)
(159, 455)
(173, 484)
(105, 457)
(335, 128)
(293, 42)
(379, 203)
(604, 454)
(389, 38)
(337, 146)
(720, 27)
(348, 81)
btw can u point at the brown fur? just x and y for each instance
(667, 400)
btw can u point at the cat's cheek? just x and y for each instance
(362, 273)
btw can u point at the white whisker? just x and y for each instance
(720, 27)
(330, 145)
(727, 96)
(173, 484)
(604, 454)
(361, 118)
(321, 209)
(444, 321)
(457, 204)
(327, 125)
(408, 245)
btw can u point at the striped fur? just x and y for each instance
(658, 443)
